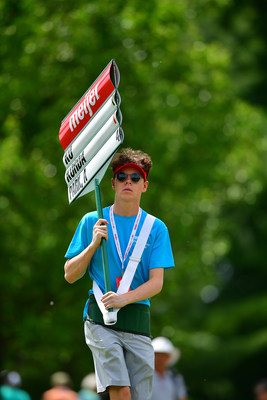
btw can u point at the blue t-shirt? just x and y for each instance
(157, 252)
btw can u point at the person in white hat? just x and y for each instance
(168, 384)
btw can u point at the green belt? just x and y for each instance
(134, 318)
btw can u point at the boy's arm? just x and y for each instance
(76, 267)
(148, 289)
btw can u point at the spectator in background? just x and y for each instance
(260, 390)
(61, 388)
(168, 383)
(10, 389)
(88, 388)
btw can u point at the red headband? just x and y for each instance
(132, 165)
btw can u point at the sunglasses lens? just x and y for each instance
(135, 177)
(121, 176)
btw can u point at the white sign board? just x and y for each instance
(91, 133)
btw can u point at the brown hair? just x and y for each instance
(128, 155)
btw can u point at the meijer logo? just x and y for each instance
(84, 108)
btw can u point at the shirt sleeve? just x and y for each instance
(81, 239)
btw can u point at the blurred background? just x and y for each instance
(194, 96)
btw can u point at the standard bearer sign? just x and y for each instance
(91, 133)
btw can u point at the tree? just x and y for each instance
(208, 147)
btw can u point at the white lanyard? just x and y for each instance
(116, 237)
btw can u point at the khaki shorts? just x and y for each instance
(121, 359)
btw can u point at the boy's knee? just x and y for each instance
(119, 393)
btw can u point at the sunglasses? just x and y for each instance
(122, 176)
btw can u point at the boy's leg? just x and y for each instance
(122, 360)
(119, 393)
(139, 356)
(108, 355)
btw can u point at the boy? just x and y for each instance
(123, 354)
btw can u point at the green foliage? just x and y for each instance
(185, 102)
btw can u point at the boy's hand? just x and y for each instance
(113, 300)
(100, 231)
